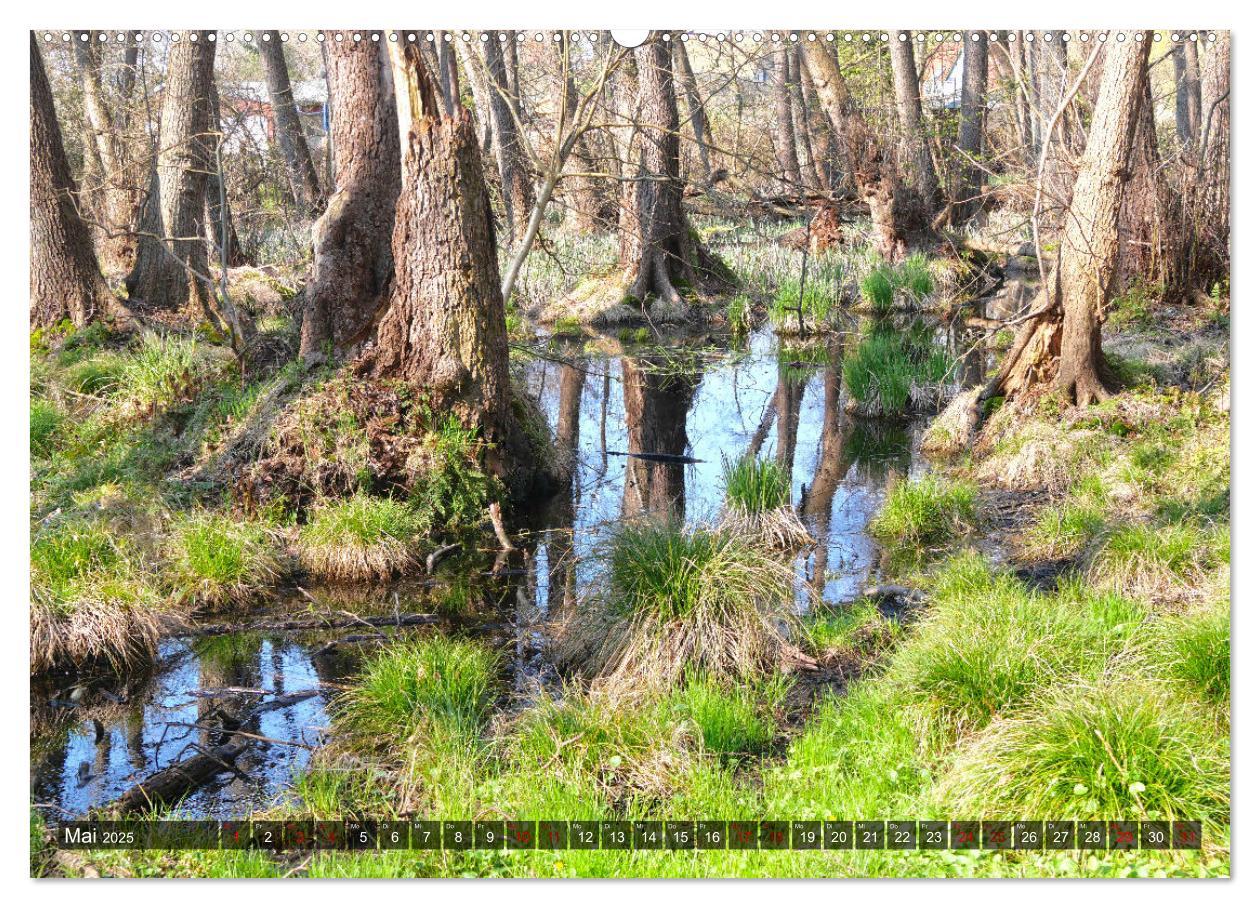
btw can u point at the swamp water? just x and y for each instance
(691, 400)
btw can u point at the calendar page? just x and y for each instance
(666, 453)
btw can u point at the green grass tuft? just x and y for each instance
(877, 288)
(361, 538)
(756, 485)
(893, 371)
(217, 561)
(925, 512)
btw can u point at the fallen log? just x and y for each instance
(310, 624)
(656, 458)
(177, 780)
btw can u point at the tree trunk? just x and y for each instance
(784, 135)
(218, 217)
(812, 175)
(303, 181)
(971, 122)
(117, 208)
(873, 170)
(659, 251)
(1185, 55)
(66, 281)
(518, 189)
(910, 113)
(350, 278)
(588, 211)
(1063, 343)
(827, 152)
(444, 331)
(481, 91)
(696, 116)
(169, 281)
(448, 74)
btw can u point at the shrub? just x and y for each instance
(674, 598)
(217, 561)
(361, 538)
(925, 512)
(1096, 750)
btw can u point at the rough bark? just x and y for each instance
(589, 210)
(476, 75)
(1062, 343)
(789, 170)
(696, 116)
(874, 171)
(514, 176)
(353, 268)
(448, 74)
(298, 165)
(173, 279)
(659, 251)
(827, 152)
(971, 122)
(66, 281)
(444, 331)
(118, 198)
(918, 155)
(1189, 90)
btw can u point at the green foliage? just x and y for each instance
(46, 419)
(915, 276)
(733, 720)
(362, 520)
(1135, 308)
(756, 485)
(1194, 648)
(99, 375)
(739, 314)
(790, 305)
(990, 644)
(67, 558)
(216, 560)
(1096, 750)
(925, 512)
(453, 492)
(891, 371)
(434, 682)
(877, 288)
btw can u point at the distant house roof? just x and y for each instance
(941, 77)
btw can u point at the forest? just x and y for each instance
(509, 427)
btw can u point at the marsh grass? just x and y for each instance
(733, 720)
(896, 370)
(674, 599)
(1153, 562)
(1193, 648)
(759, 504)
(1096, 750)
(216, 561)
(361, 538)
(739, 315)
(923, 513)
(90, 599)
(877, 289)
(989, 643)
(46, 419)
(812, 306)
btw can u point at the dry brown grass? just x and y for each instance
(779, 530)
(95, 628)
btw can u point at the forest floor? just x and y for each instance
(1069, 657)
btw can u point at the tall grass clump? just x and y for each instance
(739, 314)
(794, 306)
(452, 491)
(361, 538)
(216, 561)
(1193, 649)
(877, 288)
(926, 512)
(429, 682)
(675, 598)
(759, 503)
(915, 276)
(892, 371)
(733, 720)
(988, 643)
(1157, 563)
(163, 369)
(46, 419)
(1097, 749)
(90, 599)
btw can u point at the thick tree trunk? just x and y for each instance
(784, 135)
(171, 280)
(1063, 343)
(518, 188)
(910, 113)
(66, 281)
(827, 151)
(448, 74)
(353, 268)
(874, 171)
(1185, 55)
(971, 122)
(587, 211)
(696, 116)
(303, 181)
(444, 331)
(476, 75)
(659, 251)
